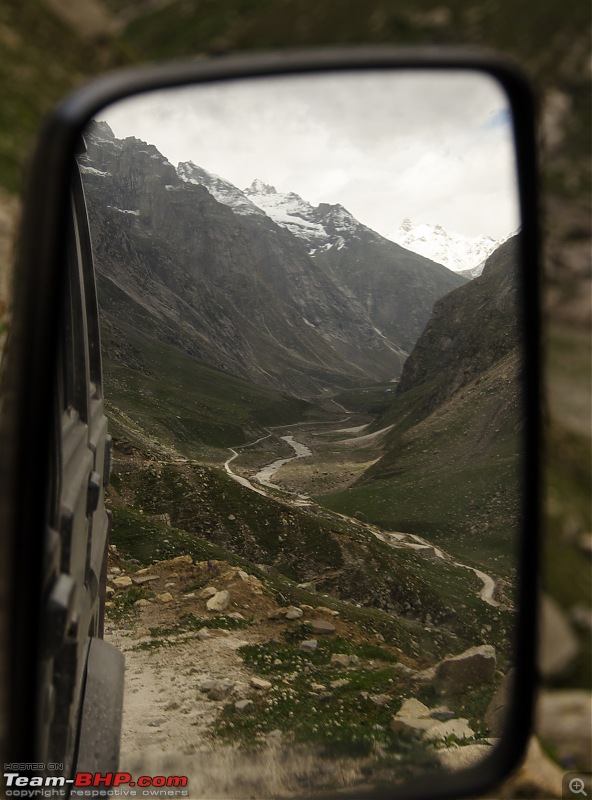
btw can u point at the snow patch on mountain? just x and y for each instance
(463, 254)
(223, 191)
(93, 171)
(289, 211)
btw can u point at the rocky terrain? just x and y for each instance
(216, 663)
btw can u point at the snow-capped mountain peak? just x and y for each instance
(223, 191)
(458, 252)
(260, 187)
(289, 211)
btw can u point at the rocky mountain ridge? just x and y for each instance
(227, 284)
(470, 329)
(394, 284)
(208, 280)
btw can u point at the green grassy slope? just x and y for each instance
(212, 516)
(181, 401)
(450, 468)
(452, 477)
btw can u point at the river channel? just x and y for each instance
(409, 540)
(265, 475)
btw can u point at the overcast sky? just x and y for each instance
(434, 147)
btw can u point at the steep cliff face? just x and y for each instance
(397, 288)
(470, 330)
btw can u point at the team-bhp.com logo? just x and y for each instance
(95, 785)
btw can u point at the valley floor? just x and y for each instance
(276, 647)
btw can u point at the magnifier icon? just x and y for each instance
(576, 786)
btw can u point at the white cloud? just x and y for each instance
(435, 147)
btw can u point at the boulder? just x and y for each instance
(495, 716)
(181, 559)
(165, 597)
(308, 645)
(139, 580)
(379, 699)
(219, 602)
(452, 727)
(240, 705)
(321, 626)
(537, 776)
(260, 683)
(471, 668)
(122, 582)
(208, 592)
(217, 689)
(454, 759)
(325, 610)
(294, 613)
(412, 720)
(413, 708)
(564, 719)
(341, 659)
(558, 645)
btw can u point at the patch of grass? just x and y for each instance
(350, 718)
(196, 585)
(471, 704)
(454, 508)
(340, 720)
(206, 503)
(124, 601)
(154, 644)
(191, 622)
(168, 636)
(179, 400)
(115, 481)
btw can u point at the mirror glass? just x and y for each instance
(311, 344)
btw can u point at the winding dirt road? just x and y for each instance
(408, 540)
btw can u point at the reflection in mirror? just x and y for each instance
(311, 349)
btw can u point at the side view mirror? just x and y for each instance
(270, 432)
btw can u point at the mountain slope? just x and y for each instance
(217, 277)
(395, 287)
(235, 291)
(450, 468)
